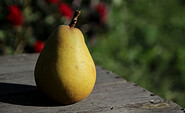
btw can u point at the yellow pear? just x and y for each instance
(65, 70)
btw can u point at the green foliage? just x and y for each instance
(145, 44)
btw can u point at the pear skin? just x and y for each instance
(65, 70)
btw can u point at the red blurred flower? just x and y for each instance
(38, 46)
(102, 10)
(52, 1)
(15, 15)
(66, 10)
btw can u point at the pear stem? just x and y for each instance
(74, 19)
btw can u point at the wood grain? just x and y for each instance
(19, 94)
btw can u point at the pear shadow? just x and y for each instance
(26, 95)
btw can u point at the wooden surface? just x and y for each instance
(112, 94)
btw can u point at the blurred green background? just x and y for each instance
(140, 40)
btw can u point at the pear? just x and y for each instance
(65, 70)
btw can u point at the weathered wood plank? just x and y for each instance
(18, 92)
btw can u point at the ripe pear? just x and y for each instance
(65, 70)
